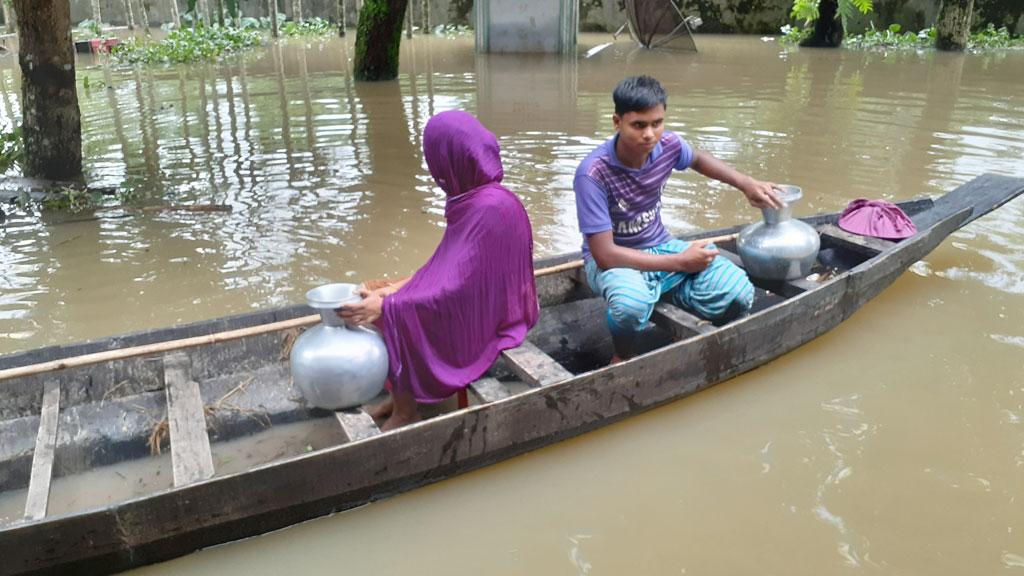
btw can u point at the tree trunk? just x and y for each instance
(144, 15)
(341, 18)
(378, 36)
(425, 16)
(96, 16)
(828, 28)
(220, 13)
(51, 123)
(297, 10)
(953, 24)
(129, 15)
(408, 21)
(175, 14)
(272, 7)
(8, 17)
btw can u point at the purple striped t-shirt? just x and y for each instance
(627, 201)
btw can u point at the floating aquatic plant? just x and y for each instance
(184, 45)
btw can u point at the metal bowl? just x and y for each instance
(332, 296)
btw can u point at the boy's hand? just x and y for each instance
(762, 194)
(695, 258)
(364, 312)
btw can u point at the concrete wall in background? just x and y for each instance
(525, 26)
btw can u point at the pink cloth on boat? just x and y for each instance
(876, 218)
(476, 295)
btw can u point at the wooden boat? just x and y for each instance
(555, 386)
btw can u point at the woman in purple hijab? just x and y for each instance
(475, 297)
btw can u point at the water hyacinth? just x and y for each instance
(202, 43)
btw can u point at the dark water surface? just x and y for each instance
(892, 445)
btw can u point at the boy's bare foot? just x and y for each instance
(398, 420)
(382, 410)
(615, 360)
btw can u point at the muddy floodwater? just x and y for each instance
(892, 445)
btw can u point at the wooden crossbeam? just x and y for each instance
(679, 322)
(42, 459)
(533, 366)
(489, 390)
(356, 424)
(862, 244)
(191, 458)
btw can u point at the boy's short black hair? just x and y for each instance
(638, 93)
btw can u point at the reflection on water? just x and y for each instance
(326, 178)
(893, 444)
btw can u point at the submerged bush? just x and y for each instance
(893, 38)
(189, 45)
(311, 27)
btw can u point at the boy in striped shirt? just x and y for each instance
(630, 259)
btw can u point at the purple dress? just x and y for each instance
(476, 295)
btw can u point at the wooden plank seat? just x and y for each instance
(356, 424)
(42, 459)
(866, 245)
(679, 322)
(489, 390)
(191, 458)
(533, 366)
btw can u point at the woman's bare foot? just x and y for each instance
(382, 410)
(399, 420)
(404, 411)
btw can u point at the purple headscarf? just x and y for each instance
(476, 295)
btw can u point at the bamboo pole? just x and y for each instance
(192, 342)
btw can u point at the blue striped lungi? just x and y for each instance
(632, 294)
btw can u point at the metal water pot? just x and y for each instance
(335, 366)
(781, 247)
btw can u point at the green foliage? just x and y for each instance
(201, 43)
(72, 199)
(793, 35)
(11, 151)
(311, 27)
(893, 38)
(807, 10)
(992, 38)
(89, 28)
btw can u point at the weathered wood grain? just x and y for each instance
(866, 245)
(679, 322)
(191, 458)
(42, 459)
(489, 390)
(534, 366)
(356, 424)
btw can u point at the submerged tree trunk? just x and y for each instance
(8, 16)
(272, 8)
(953, 24)
(129, 16)
(51, 123)
(828, 28)
(175, 14)
(425, 16)
(378, 36)
(144, 15)
(341, 18)
(408, 21)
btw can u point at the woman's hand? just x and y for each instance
(366, 311)
(762, 194)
